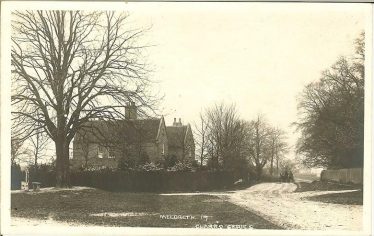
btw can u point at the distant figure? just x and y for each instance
(281, 177)
(287, 177)
(290, 176)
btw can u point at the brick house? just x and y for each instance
(106, 143)
(181, 141)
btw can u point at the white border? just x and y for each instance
(7, 7)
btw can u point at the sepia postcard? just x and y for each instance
(186, 118)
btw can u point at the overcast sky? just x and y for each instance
(258, 56)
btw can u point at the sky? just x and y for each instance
(257, 56)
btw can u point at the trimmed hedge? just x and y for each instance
(159, 181)
(134, 181)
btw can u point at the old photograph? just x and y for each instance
(210, 117)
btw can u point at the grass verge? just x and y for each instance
(348, 198)
(324, 186)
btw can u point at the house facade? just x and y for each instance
(181, 141)
(131, 141)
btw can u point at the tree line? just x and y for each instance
(225, 141)
(331, 114)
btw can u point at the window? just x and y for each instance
(110, 153)
(163, 149)
(100, 151)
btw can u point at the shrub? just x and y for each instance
(126, 164)
(181, 166)
(149, 167)
(170, 161)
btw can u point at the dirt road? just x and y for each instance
(278, 203)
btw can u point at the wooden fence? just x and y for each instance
(346, 176)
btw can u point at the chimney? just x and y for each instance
(175, 122)
(180, 122)
(130, 111)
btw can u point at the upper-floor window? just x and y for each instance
(163, 149)
(110, 153)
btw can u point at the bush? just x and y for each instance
(147, 167)
(44, 173)
(170, 161)
(126, 164)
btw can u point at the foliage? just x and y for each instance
(126, 163)
(332, 115)
(170, 161)
(148, 167)
(181, 166)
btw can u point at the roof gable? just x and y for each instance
(176, 135)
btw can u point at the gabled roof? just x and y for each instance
(131, 131)
(176, 135)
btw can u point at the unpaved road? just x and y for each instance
(278, 203)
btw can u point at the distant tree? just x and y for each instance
(278, 147)
(259, 144)
(225, 137)
(332, 115)
(74, 66)
(201, 134)
(18, 151)
(39, 143)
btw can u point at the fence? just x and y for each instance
(41, 174)
(352, 176)
(16, 177)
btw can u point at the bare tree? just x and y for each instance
(259, 144)
(39, 142)
(201, 133)
(18, 151)
(278, 147)
(226, 136)
(74, 66)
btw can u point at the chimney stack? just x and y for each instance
(179, 123)
(130, 111)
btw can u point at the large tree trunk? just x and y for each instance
(271, 165)
(258, 172)
(277, 165)
(62, 164)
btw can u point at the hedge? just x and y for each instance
(159, 181)
(134, 181)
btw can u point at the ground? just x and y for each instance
(278, 203)
(85, 206)
(311, 206)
